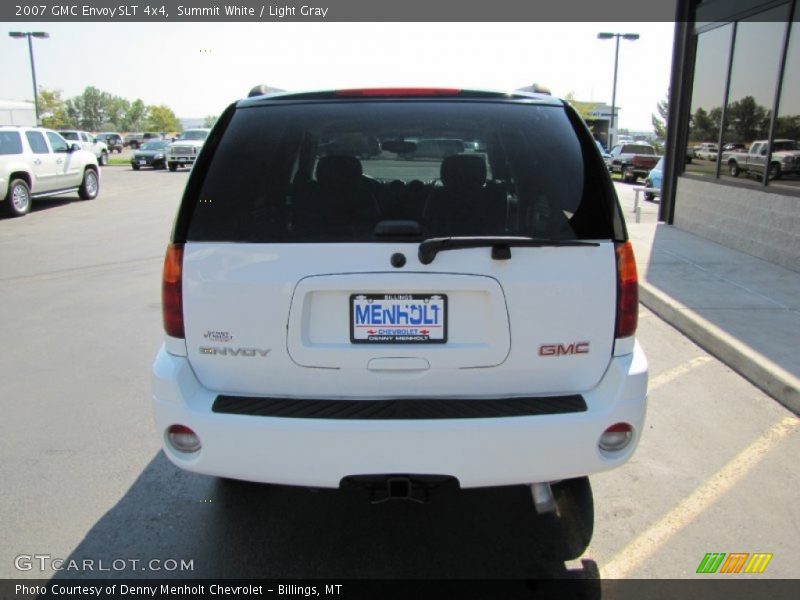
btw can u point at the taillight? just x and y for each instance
(171, 293)
(627, 291)
(616, 437)
(183, 439)
(399, 92)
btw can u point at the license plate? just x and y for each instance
(182, 159)
(398, 318)
(142, 162)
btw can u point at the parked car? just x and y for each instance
(633, 161)
(706, 151)
(134, 140)
(87, 142)
(653, 179)
(37, 162)
(112, 140)
(734, 147)
(331, 321)
(184, 150)
(150, 154)
(784, 160)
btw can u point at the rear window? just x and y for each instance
(331, 171)
(638, 149)
(69, 135)
(10, 142)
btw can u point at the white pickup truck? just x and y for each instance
(785, 159)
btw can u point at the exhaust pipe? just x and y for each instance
(543, 499)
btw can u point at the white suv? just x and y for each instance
(38, 162)
(397, 318)
(88, 142)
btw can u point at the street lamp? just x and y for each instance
(607, 36)
(29, 35)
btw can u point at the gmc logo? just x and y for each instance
(564, 350)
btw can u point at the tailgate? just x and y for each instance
(278, 320)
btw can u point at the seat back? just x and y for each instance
(464, 204)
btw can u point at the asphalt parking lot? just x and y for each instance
(83, 476)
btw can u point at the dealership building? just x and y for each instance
(736, 84)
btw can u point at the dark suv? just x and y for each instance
(439, 310)
(112, 140)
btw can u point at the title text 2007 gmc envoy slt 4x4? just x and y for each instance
(400, 285)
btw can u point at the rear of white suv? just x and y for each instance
(332, 314)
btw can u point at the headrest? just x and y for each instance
(464, 171)
(338, 171)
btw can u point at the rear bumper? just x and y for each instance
(478, 452)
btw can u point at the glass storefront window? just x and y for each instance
(786, 145)
(754, 77)
(708, 95)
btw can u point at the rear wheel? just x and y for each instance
(572, 525)
(90, 186)
(628, 176)
(103, 160)
(733, 169)
(173, 166)
(18, 199)
(135, 167)
(774, 171)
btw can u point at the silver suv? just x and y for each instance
(37, 162)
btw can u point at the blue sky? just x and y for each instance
(199, 68)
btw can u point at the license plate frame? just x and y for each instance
(431, 330)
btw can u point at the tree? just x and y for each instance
(116, 108)
(52, 109)
(660, 121)
(210, 120)
(134, 116)
(161, 118)
(746, 120)
(703, 126)
(91, 107)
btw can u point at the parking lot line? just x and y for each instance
(646, 544)
(668, 376)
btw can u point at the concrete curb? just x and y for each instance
(775, 381)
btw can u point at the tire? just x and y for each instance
(774, 171)
(90, 186)
(173, 166)
(103, 160)
(570, 530)
(18, 198)
(136, 167)
(628, 176)
(734, 169)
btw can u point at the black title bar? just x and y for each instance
(155, 11)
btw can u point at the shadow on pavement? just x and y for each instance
(241, 530)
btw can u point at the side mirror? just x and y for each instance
(74, 148)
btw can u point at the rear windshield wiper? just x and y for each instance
(501, 245)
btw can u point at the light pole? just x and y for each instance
(607, 36)
(29, 35)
